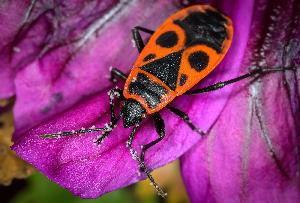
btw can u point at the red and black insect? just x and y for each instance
(181, 52)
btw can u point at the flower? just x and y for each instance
(58, 61)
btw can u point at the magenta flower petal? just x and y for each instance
(31, 29)
(65, 69)
(235, 163)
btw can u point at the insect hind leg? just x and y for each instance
(186, 119)
(256, 71)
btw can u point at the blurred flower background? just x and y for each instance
(54, 63)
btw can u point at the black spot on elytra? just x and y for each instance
(149, 57)
(167, 39)
(166, 68)
(207, 28)
(198, 60)
(147, 89)
(183, 79)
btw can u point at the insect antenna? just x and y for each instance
(108, 127)
(73, 132)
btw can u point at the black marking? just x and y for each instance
(167, 39)
(207, 28)
(166, 68)
(149, 57)
(198, 60)
(183, 79)
(147, 89)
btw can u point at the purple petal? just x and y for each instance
(9, 25)
(33, 28)
(56, 89)
(234, 163)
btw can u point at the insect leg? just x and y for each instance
(219, 85)
(116, 73)
(137, 37)
(146, 30)
(115, 92)
(142, 165)
(186, 119)
(160, 129)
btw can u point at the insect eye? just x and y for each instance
(167, 39)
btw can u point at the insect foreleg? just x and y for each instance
(160, 129)
(113, 93)
(142, 165)
(219, 85)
